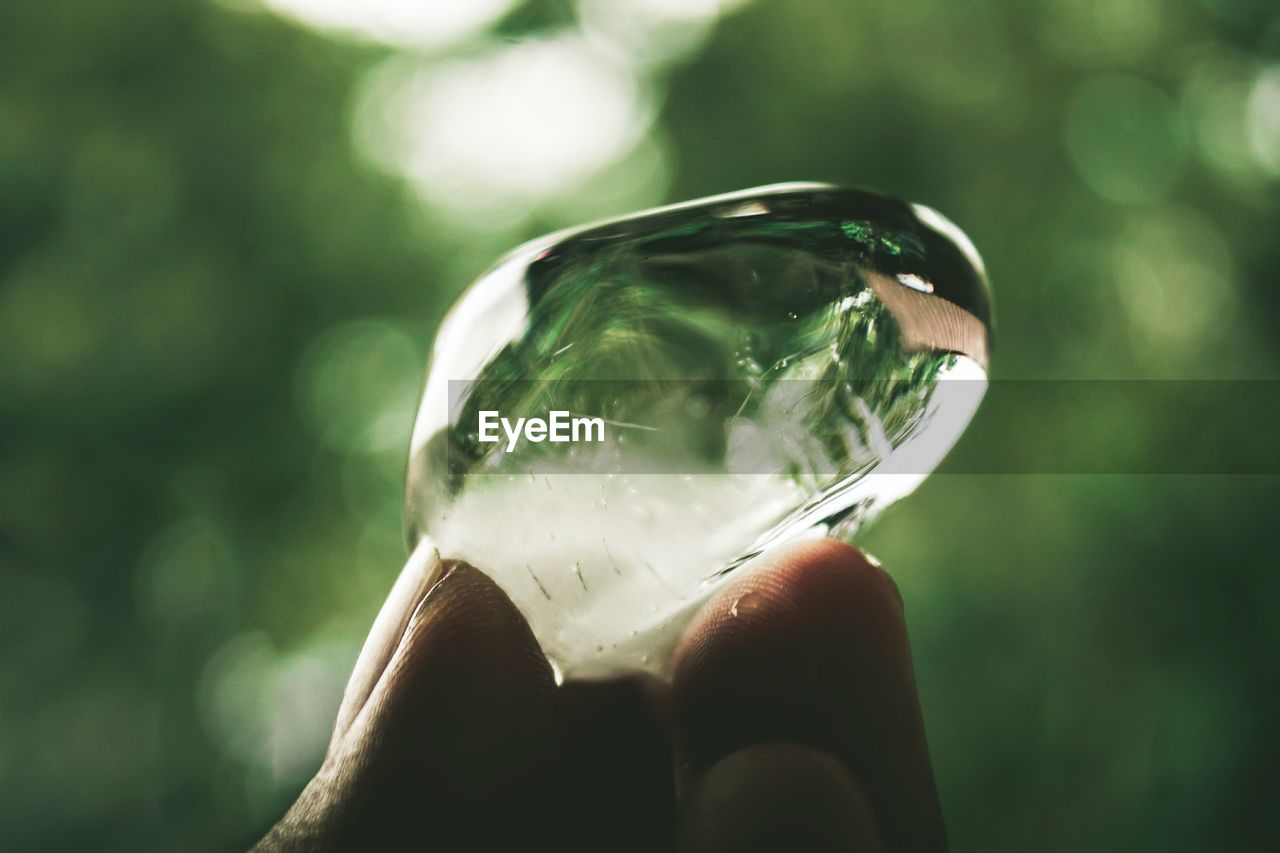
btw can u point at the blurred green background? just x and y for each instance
(229, 229)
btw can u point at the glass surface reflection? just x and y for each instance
(769, 364)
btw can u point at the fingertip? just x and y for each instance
(828, 569)
(810, 646)
(799, 591)
(466, 637)
(463, 711)
(777, 796)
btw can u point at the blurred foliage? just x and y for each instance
(215, 306)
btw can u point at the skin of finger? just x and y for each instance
(777, 796)
(422, 570)
(615, 788)
(811, 647)
(458, 730)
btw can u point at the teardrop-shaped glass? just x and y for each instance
(744, 370)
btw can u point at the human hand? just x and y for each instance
(791, 724)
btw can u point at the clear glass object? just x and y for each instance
(770, 364)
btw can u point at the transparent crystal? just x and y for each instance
(771, 364)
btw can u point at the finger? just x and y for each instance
(811, 647)
(616, 771)
(772, 797)
(421, 571)
(460, 729)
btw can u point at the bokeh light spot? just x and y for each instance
(359, 386)
(1264, 120)
(1126, 139)
(275, 711)
(1216, 102)
(496, 134)
(1094, 33)
(235, 692)
(407, 23)
(652, 32)
(1174, 275)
